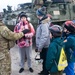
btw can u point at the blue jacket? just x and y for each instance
(53, 54)
(70, 48)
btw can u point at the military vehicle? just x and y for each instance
(61, 10)
(10, 19)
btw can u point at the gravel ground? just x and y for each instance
(15, 59)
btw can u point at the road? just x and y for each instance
(15, 60)
(15, 63)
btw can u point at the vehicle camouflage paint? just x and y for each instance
(60, 12)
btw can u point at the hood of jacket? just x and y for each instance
(1, 23)
(44, 20)
(58, 40)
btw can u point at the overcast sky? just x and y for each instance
(13, 3)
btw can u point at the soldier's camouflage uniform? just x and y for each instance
(5, 61)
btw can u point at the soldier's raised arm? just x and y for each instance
(8, 34)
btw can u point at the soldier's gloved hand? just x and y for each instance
(26, 31)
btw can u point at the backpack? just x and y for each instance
(62, 63)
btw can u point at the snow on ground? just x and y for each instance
(15, 60)
(15, 63)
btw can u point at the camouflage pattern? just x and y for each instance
(5, 61)
(38, 2)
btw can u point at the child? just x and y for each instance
(54, 50)
(42, 37)
(25, 43)
(69, 30)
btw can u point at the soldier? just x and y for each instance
(38, 4)
(6, 36)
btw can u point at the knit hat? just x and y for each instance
(20, 14)
(23, 15)
(41, 11)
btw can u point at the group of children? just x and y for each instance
(66, 36)
(48, 40)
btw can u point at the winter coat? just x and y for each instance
(6, 35)
(42, 34)
(27, 39)
(53, 54)
(70, 47)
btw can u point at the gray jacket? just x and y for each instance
(43, 34)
